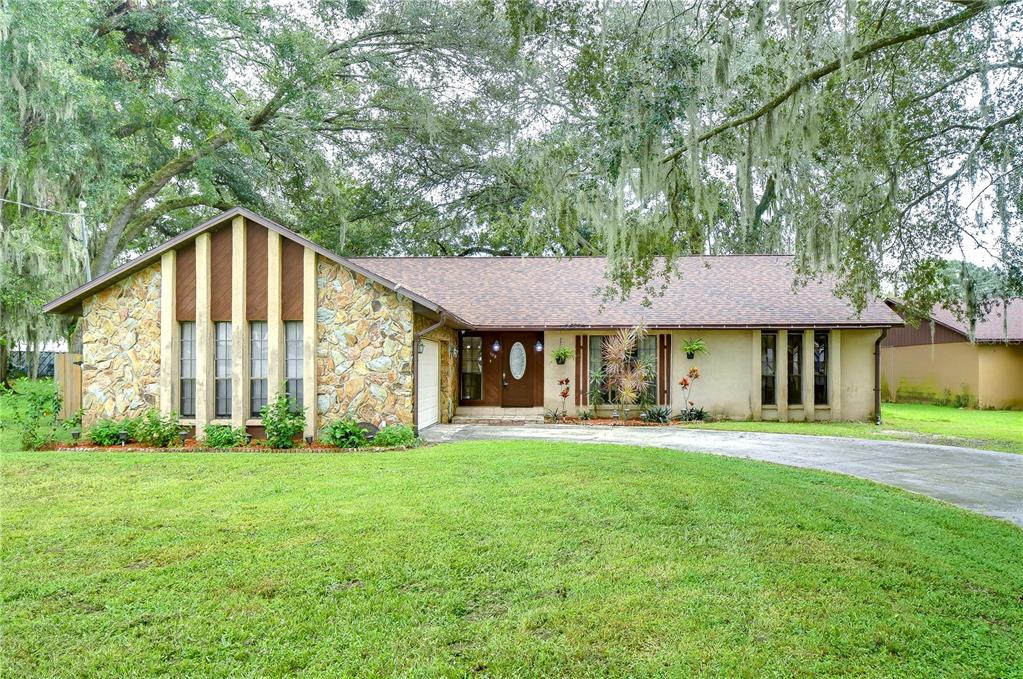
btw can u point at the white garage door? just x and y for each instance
(428, 381)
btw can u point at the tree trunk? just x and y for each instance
(5, 357)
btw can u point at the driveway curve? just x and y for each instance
(983, 481)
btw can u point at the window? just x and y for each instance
(187, 369)
(472, 368)
(820, 368)
(645, 351)
(222, 370)
(795, 368)
(257, 366)
(293, 362)
(768, 368)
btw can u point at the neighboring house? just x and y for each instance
(937, 362)
(216, 321)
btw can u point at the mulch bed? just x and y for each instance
(615, 422)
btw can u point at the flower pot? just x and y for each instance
(690, 355)
(560, 360)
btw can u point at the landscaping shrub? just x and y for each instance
(281, 422)
(223, 436)
(37, 421)
(660, 414)
(395, 435)
(692, 415)
(345, 433)
(108, 432)
(586, 414)
(154, 429)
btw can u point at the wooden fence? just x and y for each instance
(67, 372)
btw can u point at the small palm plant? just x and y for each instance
(626, 378)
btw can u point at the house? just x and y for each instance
(214, 322)
(936, 361)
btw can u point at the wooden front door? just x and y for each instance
(518, 369)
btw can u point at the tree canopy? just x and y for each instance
(872, 139)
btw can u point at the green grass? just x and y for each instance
(495, 558)
(994, 429)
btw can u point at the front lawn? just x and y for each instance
(499, 558)
(993, 429)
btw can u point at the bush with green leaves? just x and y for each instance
(660, 414)
(345, 433)
(586, 414)
(223, 436)
(37, 420)
(692, 415)
(108, 432)
(154, 429)
(282, 422)
(394, 435)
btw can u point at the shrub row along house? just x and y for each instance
(936, 361)
(213, 323)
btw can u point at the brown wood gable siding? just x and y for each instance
(185, 282)
(582, 370)
(255, 271)
(664, 369)
(220, 274)
(908, 336)
(292, 267)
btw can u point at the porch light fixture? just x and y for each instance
(538, 346)
(422, 347)
(496, 346)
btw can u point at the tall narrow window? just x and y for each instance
(187, 390)
(257, 366)
(293, 361)
(472, 368)
(222, 370)
(820, 368)
(795, 365)
(768, 368)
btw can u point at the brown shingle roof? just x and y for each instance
(991, 328)
(539, 292)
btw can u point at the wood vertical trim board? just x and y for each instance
(275, 328)
(203, 334)
(239, 326)
(578, 370)
(756, 404)
(808, 395)
(781, 372)
(309, 340)
(168, 329)
(835, 373)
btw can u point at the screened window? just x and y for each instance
(472, 368)
(645, 352)
(257, 366)
(768, 368)
(187, 370)
(820, 368)
(293, 362)
(222, 369)
(795, 365)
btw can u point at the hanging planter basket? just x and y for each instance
(560, 360)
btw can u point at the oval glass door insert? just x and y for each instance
(517, 360)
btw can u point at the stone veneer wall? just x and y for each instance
(448, 339)
(363, 350)
(121, 348)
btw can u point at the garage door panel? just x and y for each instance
(428, 384)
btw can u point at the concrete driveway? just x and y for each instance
(980, 480)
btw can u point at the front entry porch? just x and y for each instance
(497, 415)
(501, 375)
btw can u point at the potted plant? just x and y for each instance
(693, 346)
(562, 354)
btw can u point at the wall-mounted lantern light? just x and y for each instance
(422, 347)
(538, 346)
(496, 346)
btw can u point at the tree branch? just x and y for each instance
(809, 77)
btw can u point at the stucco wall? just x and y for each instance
(1000, 374)
(363, 351)
(727, 381)
(121, 348)
(930, 372)
(447, 397)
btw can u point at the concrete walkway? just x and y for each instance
(980, 480)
